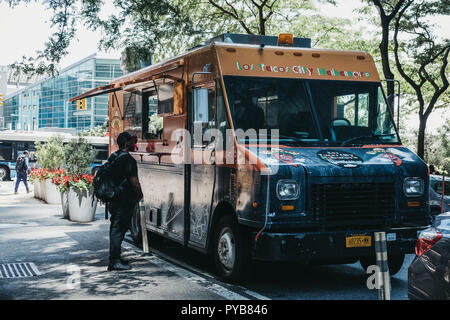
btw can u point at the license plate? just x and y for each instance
(357, 241)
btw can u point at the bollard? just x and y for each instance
(384, 290)
(145, 247)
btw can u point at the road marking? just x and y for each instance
(193, 274)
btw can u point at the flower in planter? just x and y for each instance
(63, 182)
(34, 175)
(56, 176)
(82, 183)
(44, 174)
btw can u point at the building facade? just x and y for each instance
(45, 103)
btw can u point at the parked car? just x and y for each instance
(436, 194)
(429, 272)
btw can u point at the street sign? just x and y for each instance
(1, 99)
(82, 104)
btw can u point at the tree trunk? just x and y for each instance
(262, 23)
(421, 137)
(388, 75)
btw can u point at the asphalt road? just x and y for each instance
(31, 231)
(293, 281)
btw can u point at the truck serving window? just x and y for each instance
(132, 113)
(262, 103)
(152, 123)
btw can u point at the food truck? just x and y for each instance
(263, 148)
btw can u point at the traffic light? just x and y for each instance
(1, 99)
(82, 104)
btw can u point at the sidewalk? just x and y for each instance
(32, 231)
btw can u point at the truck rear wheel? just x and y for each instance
(395, 262)
(231, 250)
(4, 173)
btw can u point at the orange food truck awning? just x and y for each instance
(153, 73)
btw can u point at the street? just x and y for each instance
(72, 259)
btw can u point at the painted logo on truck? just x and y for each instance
(340, 158)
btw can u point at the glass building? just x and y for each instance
(45, 104)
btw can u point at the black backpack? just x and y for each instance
(20, 164)
(105, 188)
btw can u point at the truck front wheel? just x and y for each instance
(231, 250)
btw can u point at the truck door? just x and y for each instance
(202, 163)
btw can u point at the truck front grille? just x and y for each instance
(362, 204)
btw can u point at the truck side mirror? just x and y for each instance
(201, 105)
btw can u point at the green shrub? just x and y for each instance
(79, 155)
(50, 155)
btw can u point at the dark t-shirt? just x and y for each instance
(123, 169)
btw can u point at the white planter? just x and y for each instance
(42, 190)
(81, 206)
(65, 204)
(36, 189)
(52, 194)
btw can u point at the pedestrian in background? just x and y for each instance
(129, 193)
(22, 168)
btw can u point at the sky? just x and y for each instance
(25, 29)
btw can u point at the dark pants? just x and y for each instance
(21, 176)
(121, 214)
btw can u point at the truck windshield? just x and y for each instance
(319, 112)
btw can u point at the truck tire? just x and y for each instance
(231, 250)
(395, 262)
(4, 173)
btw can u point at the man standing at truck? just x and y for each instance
(129, 193)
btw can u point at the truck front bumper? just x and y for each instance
(327, 246)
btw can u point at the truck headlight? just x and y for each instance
(413, 187)
(287, 190)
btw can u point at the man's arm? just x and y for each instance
(134, 182)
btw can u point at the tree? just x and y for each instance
(428, 74)
(159, 28)
(387, 10)
(254, 16)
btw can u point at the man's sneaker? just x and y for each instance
(16, 192)
(119, 266)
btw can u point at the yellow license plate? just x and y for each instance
(357, 241)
